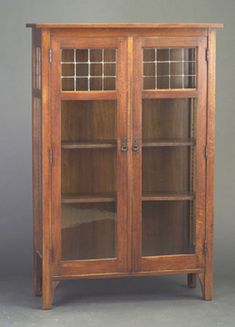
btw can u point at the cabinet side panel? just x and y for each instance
(37, 158)
(208, 292)
(47, 253)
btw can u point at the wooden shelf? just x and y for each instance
(168, 142)
(88, 198)
(168, 196)
(110, 197)
(89, 145)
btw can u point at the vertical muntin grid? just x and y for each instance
(91, 77)
(173, 68)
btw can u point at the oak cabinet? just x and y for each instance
(123, 146)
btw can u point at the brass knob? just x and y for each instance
(124, 147)
(135, 146)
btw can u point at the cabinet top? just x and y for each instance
(124, 25)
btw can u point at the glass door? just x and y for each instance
(89, 138)
(169, 198)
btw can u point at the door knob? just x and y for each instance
(135, 146)
(124, 147)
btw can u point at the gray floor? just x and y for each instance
(161, 301)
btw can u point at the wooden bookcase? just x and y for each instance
(123, 152)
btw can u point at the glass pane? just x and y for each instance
(99, 115)
(88, 69)
(168, 228)
(168, 175)
(88, 231)
(166, 169)
(171, 68)
(88, 171)
(88, 179)
(168, 119)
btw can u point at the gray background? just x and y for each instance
(15, 120)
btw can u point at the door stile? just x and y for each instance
(137, 157)
(56, 150)
(130, 82)
(122, 158)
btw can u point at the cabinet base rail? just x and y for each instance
(48, 289)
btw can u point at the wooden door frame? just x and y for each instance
(182, 262)
(63, 269)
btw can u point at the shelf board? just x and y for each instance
(168, 142)
(110, 197)
(167, 196)
(112, 144)
(89, 145)
(88, 198)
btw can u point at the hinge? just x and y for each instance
(205, 247)
(207, 54)
(206, 152)
(51, 156)
(50, 55)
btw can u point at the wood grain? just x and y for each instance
(47, 294)
(111, 213)
(89, 95)
(208, 278)
(126, 25)
(36, 169)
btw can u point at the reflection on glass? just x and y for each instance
(88, 231)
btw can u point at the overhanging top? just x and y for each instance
(124, 25)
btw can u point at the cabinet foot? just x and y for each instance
(192, 280)
(206, 286)
(47, 295)
(37, 278)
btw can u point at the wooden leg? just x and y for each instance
(208, 286)
(206, 281)
(47, 294)
(192, 280)
(37, 279)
